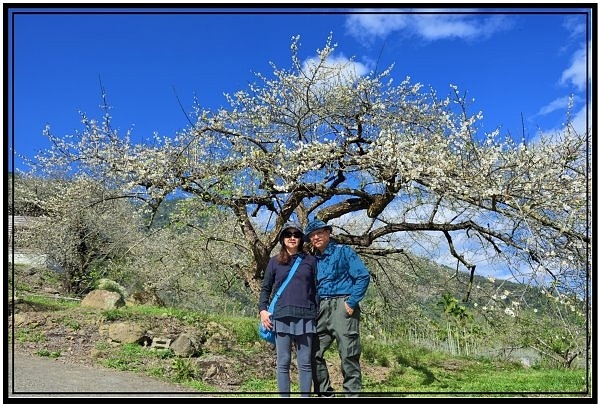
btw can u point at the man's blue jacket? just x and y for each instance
(341, 272)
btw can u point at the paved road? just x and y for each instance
(41, 377)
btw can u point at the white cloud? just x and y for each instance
(427, 26)
(352, 69)
(576, 73)
(433, 27)
(376, 25)
(562, 103)
(579, 120)
(575, 26)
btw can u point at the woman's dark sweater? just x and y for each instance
(298, 299)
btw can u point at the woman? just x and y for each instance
(295, 310)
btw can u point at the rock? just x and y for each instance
(126, 333)
(218, 343)
(103, 300)
(148, 296)
(20, 319)
(183, 346)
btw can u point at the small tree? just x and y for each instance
(82, 230)
(457, 318)
(196, 260)
(558, 331)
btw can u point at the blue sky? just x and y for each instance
(517, 64)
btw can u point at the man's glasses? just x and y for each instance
(288, 234)
(318, 233)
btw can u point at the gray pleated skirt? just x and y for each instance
(295, 326)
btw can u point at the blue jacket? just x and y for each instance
(298, 299)
(340, 271)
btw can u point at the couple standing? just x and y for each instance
(320, 305)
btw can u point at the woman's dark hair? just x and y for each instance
(284, 257)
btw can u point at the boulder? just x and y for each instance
(103, 300)
(126, 333)
(183, 346)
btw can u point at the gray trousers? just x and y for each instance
(333, 323)
(284, 359)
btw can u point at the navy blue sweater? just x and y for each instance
(298, 299)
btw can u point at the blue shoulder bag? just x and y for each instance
(264, 333)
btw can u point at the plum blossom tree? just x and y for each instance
(390, 166)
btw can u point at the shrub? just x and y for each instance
(112, 286)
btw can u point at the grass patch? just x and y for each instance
(45, 303)
(69, 322)
(523, 380)
(47, 353)
(184, 370)
(376, 353)
(263, 386)
(243, 328)
(133, 312)
(201, 386)
(19, 286)
(422, 371)
(129, 358)
(26, 335)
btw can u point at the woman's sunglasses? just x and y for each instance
(288, 234)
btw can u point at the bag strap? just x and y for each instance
(283, 285)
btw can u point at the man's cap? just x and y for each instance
(314, 226)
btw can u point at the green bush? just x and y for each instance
(184, 370)
(376, 353)
(245, 329)
(112, 286)
(112, 314)
(47, 353)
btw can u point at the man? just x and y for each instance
(342, 282)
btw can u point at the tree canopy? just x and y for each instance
(390, 166)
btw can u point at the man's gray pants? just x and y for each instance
(334, 323)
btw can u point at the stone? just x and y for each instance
(126, 333)
(183, 346)
(103, 300)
